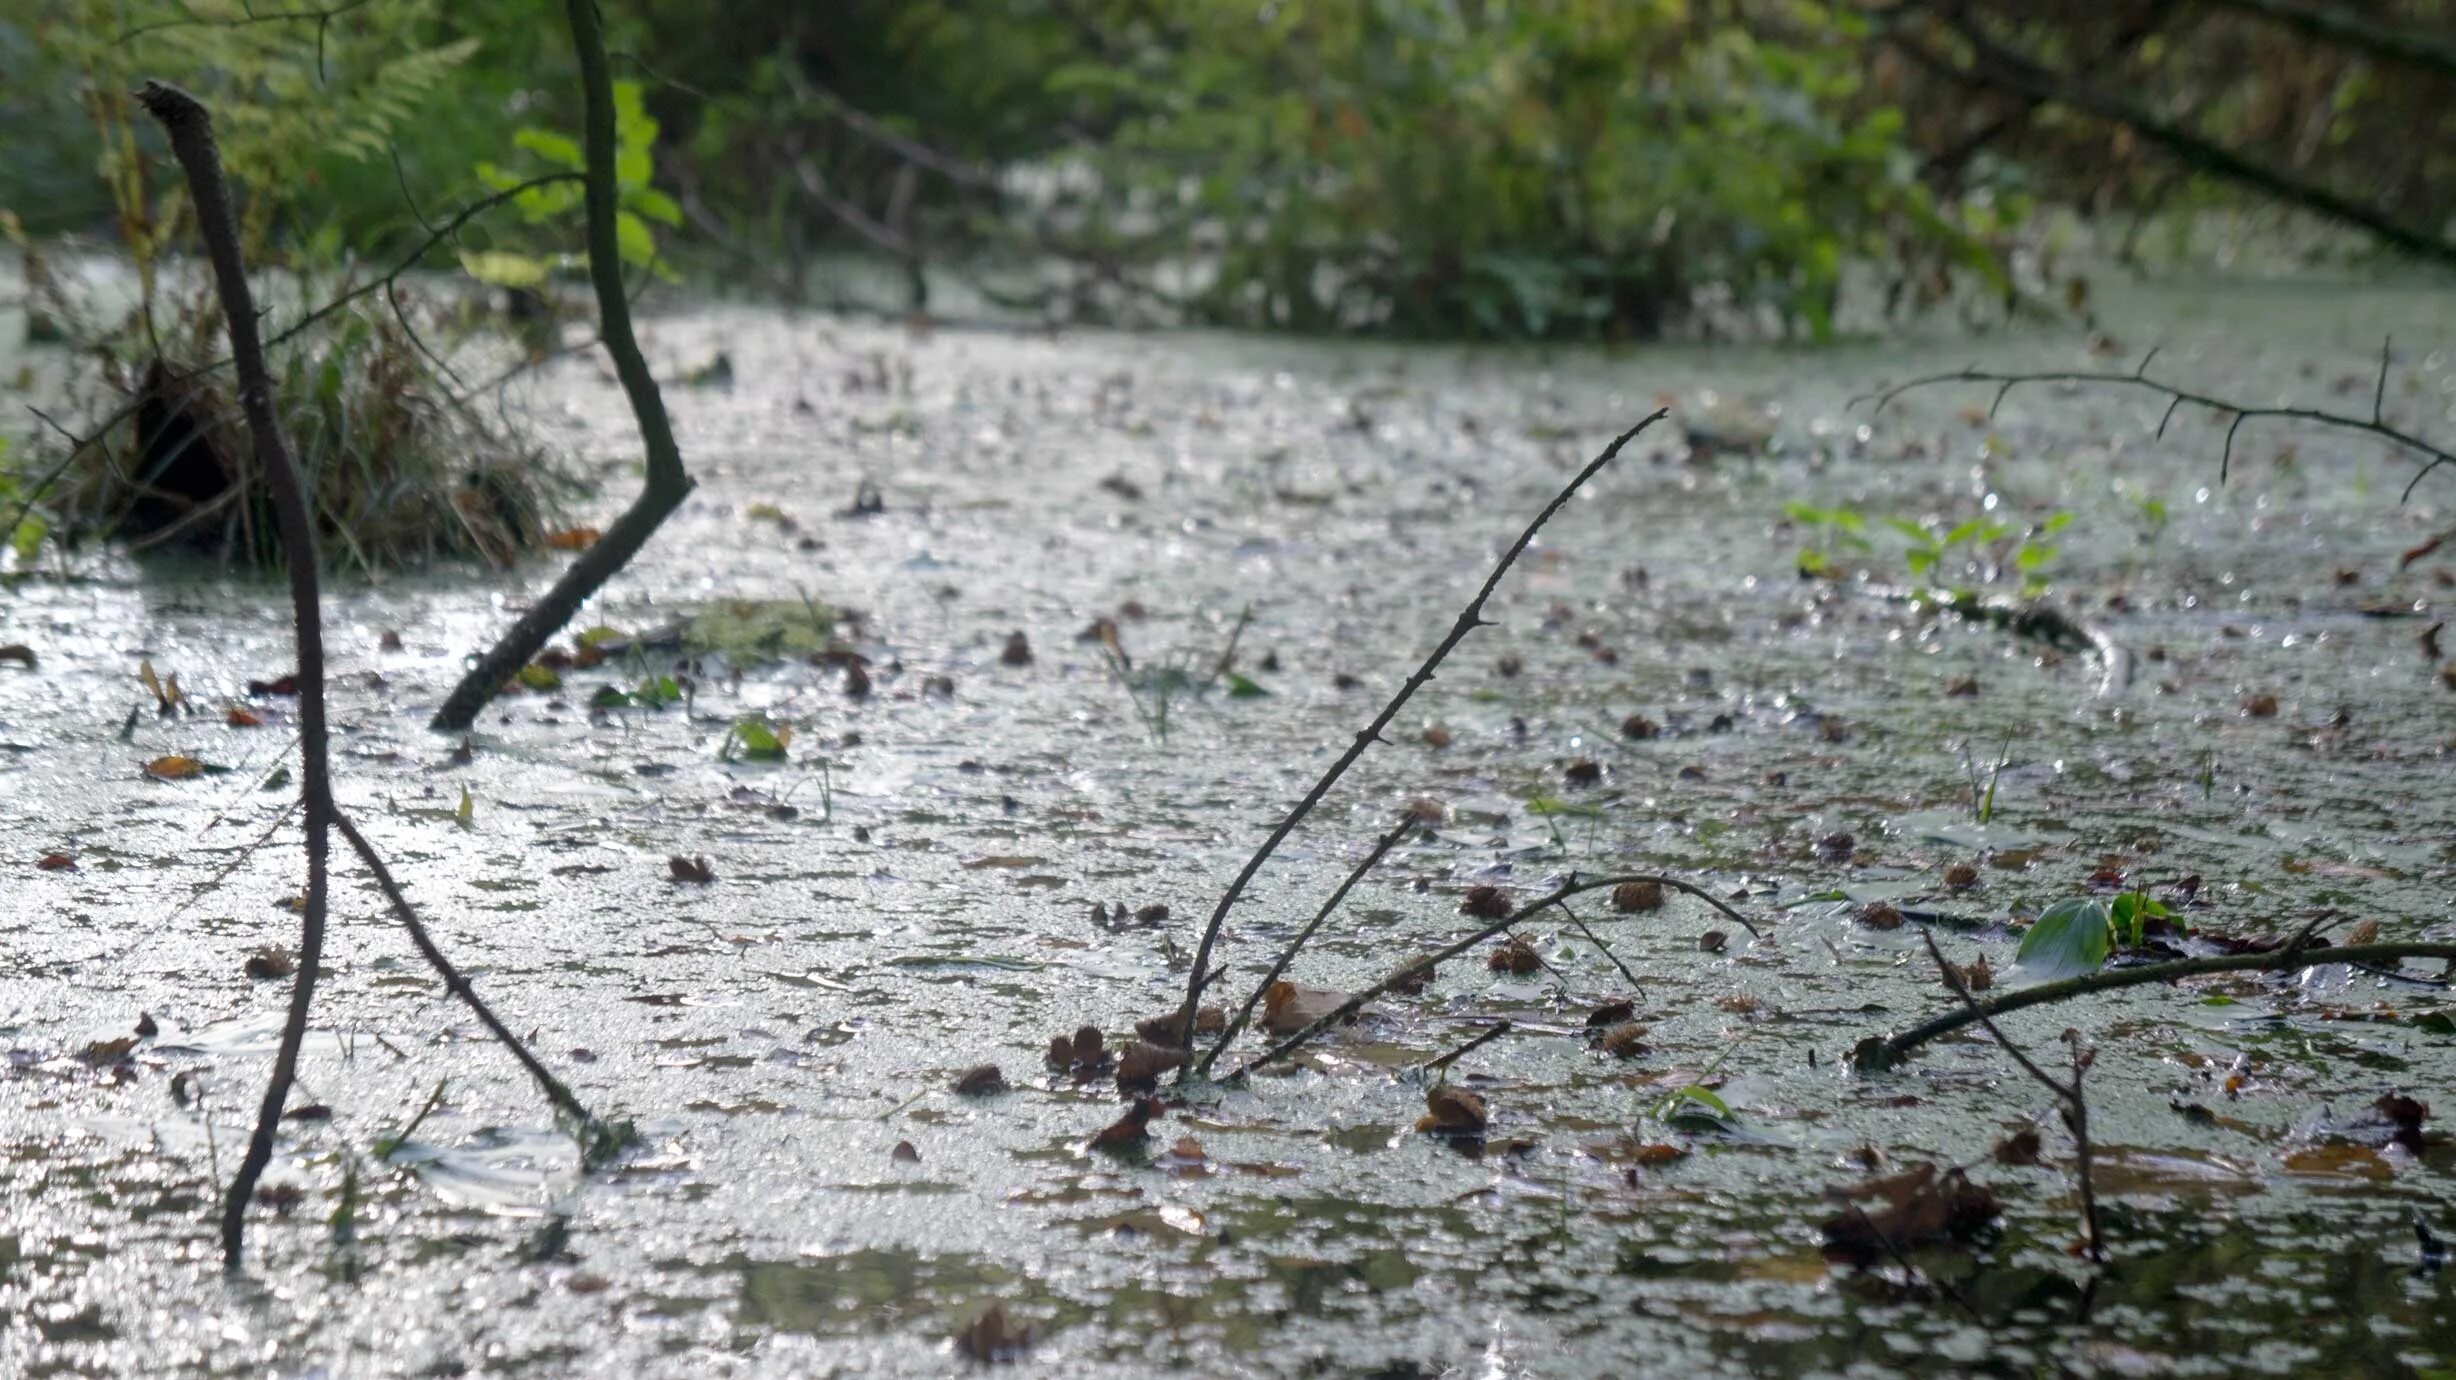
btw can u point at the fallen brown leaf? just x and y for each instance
(1130, 1130)
(1514, 955)
(991, 1339)
(1630, 898)
(981, 1080)
(1288, 1008)
(1140, 1067)
(691, 869)
(1487, 903)
(1452, 1111)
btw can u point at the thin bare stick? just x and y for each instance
(1444, 1061)
(1602, 948)
(2176, 397)
(667, 484)
(1471, 618)
(1876, 1055)
(1288, 955)
(190, 128)
(1572, 887)
(2071, 1103)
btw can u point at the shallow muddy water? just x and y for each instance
(909, 894)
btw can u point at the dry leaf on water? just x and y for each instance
(1452, 1111)
(1611, 1013)
(691, 869)
(2021, 1147)
(990, 1338)
(1514, 955)
(56, 862)
(981, 1080)
(1487, 903)
(1140, 1067)
(271, 963)
(1170, 1029)
(1288, 1008)
(1130, 1130)
(1917, 1207)
(1629, 898)
(1415, 979)
(1713, 941)
(174, 768)
(572, 539)
(20, 653)
(904, 1153)
(1626, 1040)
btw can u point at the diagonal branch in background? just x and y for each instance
(1469, 619)
(1996, 68)
(190, 127)
(2349, 30)
(2177, 398)
(667, 482)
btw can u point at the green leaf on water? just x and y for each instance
(1549, 805)
(2072, 938)
(2437, 1023)
(607, 697)
(467, 814)
(758, 740)
(1239, 688)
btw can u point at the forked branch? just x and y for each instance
(1471, 618)
(1572, 887)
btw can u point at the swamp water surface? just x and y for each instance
(909, 893)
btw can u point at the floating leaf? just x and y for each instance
(2072, 938)
(578, 539)
(174, 768)
(1452, 1111)
(466, 815)
(1240, 688)
(692, 869)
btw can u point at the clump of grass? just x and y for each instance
(401, 468)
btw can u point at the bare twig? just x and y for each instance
(1877, 1054)
(667, 482)
(1438, 1063)
(2073, 1103)
(190, 128)
(2178, 397)
(1288, 955)
(1572, 887)
(1471, 618)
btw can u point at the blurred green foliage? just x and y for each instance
(1495, 168)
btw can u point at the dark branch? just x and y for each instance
(1468, 621)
